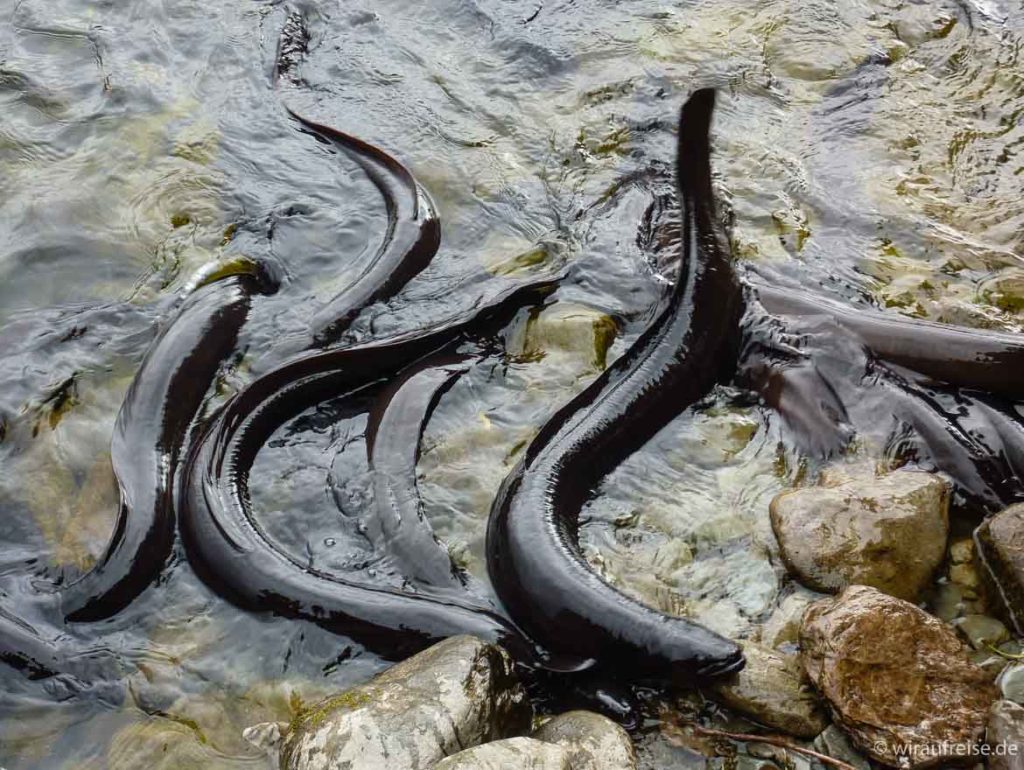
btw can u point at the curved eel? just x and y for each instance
(393, 449)
(230, 550)
(151, 429)
(413, 232)
(957, 355)
(534, 557)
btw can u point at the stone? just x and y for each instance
(961, 551)
(888, 532)
(456, 694)
(1011, 683)
(783, 626)
(563, 327)
(894, 677)
(836, 744)
(982, 631)
(509, 754)
(1005, 736)
(965, 576)
(773, 690)
(947, 601)
(1000, 549)
(594, 742)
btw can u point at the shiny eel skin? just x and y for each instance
(413, 232)
(960, 356)
(399, 527)
(151, 429)
(232, 553)
(534, 558)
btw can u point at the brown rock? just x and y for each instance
(895, 678)
(887, 532)
(1000, 551)
(773, 690)
(1005, 736)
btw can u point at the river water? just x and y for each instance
(865, 151)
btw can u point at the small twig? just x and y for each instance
(773, 741)
(1007, 655)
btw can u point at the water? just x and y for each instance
(869, 151)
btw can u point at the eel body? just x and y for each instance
(534, 557)
(151, 430)
(956, 355)
(413, 232)
(231, 551)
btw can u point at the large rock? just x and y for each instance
(594, 742)
(509, 754)
(895, 678)
(1005, 736)
(458, 693)
(773, 690)
(888, 532)
(1000, 551)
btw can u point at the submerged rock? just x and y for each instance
(458, 693)
(1000, 551)
(773, 689)
(509, 754)
(887, 532)
(782, 629)
(1005, 736)
(896, 679)
(593, 742)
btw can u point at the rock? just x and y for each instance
(894, 677)
(887, 532)
(594, 742)
(947, 601)
(783, 625)
(965, 576)
(509, 754)
(458, 693)
(834, 742)
(961, 551)
(982, 631)
(1005, 736)
(580, 331)
(1000, 550)
(773, 690)
(1011, 683)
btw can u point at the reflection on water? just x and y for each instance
(869, 150)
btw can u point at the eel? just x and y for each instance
(956, 355)
(413, 233)
(147, 444)
(393, 449)
(232, 553)
(534, 558)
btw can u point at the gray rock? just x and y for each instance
(773, 690)
(1005, 736)
(1011, 683)
(982, 631)
(887, 532)
(834, 742)
(783, 626)
(897, 680)
(509, 754)
(594, 742)
(1000, 550)
(458, 693)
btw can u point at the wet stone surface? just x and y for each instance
(894, 676)
(888, 532)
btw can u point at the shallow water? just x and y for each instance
(868, 151)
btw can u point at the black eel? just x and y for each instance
(534, 558)
(956, 355)
(400, 528)
(232, 553)
(413, 232)
(147, 444)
